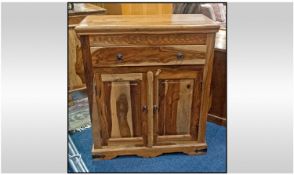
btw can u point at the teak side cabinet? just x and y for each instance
(148, 81)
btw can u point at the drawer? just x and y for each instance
(148, 56)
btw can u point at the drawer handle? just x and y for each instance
(119, 57)
(180, 56)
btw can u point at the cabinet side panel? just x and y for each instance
(88, 68)
(207, 73)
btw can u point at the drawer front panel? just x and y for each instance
(148, 56)
(147, 39)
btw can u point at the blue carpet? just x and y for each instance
(213, 161)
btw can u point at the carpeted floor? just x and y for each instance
(214, 161)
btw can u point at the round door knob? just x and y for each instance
(180, 56)
(119, 57)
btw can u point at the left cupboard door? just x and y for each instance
(121, 107)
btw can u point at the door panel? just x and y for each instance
(120, 103)
(177, 97)
(175, 104)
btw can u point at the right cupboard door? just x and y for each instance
(177, 99)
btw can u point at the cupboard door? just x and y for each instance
(177, 106)
(121, 102)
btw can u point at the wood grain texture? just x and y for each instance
(102, 111)
(207, 73)
(156, 126)
(122, 94)
(171, 98)
(119, 102)
(147, 39)
(175, 23)
(75, 61)
(109, 152)
(146, 8)
(121, 77)
(125, 142)
(169, 138)
(96, 128)
(107, 89)
(88, 68)
(196, 106)
(150, 107)
(184, 106)
(135, 56)
(135, 92)
(161, 105)
(144, 116)
(136, 8)
(176, 93)
(112, 8)
(75, 65)
(73, 21)
(171, 68)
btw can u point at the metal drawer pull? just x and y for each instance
(119, 57)
(180, 56)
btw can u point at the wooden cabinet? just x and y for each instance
(148, 81)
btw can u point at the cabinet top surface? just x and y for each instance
(139, 23)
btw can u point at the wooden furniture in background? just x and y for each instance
(146, 8)
(148, 81)
(75, 62)
(137, 8)
(218, 110)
